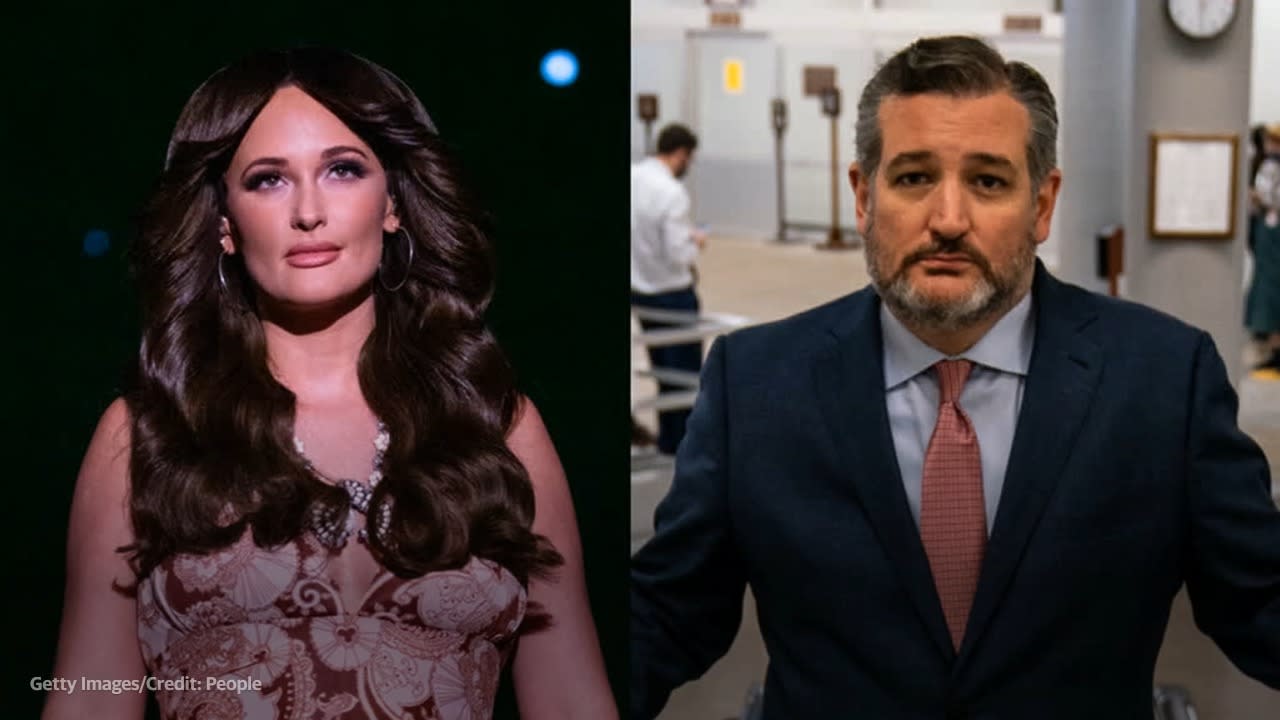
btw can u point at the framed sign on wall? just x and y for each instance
(1192, 185)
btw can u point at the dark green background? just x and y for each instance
(90, 95)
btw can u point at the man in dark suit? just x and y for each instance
(969, 490)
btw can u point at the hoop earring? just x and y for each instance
(233, 299)
(222, 277)
(408, 268)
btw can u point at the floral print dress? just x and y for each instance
(254, 634)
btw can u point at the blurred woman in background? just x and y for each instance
(1262, 305)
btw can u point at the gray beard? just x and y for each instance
(993, 295)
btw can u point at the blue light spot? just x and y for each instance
(96, 243)
(560, 68)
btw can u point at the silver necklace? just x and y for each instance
(333, 526)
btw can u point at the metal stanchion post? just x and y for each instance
(831, 108)
(779, 107)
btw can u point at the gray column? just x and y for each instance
(1094, 112)
(1127, 72)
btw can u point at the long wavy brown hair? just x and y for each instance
(212, 450)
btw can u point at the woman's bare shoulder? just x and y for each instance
(107, 458)
(103, 482)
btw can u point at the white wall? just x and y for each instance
(850, 34)
(959, 5)
(1264, 94)
(1019, 6)
(659, 66)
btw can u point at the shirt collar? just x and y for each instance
(1006, 346)
(656, 165)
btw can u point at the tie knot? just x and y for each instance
(952, 375)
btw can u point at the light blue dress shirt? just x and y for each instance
(991, 397)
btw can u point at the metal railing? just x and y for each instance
(650, 469)
(689, 327)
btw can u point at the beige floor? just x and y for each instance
(765, 281)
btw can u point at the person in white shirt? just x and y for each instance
(664, 245)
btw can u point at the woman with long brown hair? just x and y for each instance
(321, 494)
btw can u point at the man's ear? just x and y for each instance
(1046, 201)
(861, 184)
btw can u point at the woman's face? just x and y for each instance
(307, 203)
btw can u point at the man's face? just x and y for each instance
(683, 158)
(950, 220)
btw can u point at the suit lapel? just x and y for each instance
(849, 382)
(1065, 368)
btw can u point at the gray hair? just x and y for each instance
(961, 67)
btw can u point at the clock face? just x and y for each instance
(1202, 18)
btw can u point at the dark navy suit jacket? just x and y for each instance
(1128, 477)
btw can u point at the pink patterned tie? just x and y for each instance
(953, 518)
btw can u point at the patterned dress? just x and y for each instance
(254, 634)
